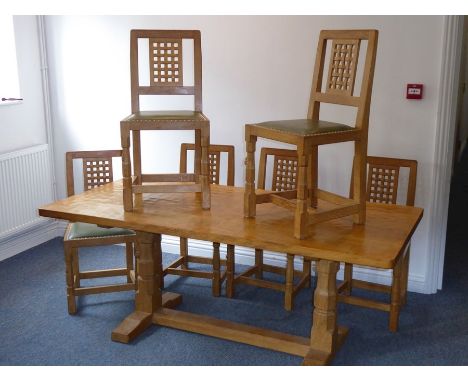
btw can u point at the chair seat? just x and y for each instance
(305, 127)
(166, 115)
(85, 230)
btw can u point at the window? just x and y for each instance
(9, 84)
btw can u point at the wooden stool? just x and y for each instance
(382, 187)
(284, 178)
(308, 134)
(97, 170)
(180, 266)
(166, 78)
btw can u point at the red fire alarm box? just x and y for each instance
(414, 91)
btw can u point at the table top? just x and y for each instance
(377, 243)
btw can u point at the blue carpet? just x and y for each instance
(35, 328)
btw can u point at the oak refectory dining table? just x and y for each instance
(378, 243)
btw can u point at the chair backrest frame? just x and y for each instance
(215, 160)
(387, 170)
(97, 168)
(284, 172)
(163, 37)
(342, 72)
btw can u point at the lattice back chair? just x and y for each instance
(180, 266)
(307, 134)
(166, 68)
(382, 187)
(97, 171)
(284, 178)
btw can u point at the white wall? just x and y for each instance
(22, 125)
(254, 69)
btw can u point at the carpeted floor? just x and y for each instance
(35, 328)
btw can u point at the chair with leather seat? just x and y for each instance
(308, 134)
(97, 171)
(284, 178)
(382, 187)
(181, 266)
(163, 52)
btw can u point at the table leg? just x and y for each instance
(148, 297)
(325, 336)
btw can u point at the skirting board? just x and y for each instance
(28, 237)
(170, 244)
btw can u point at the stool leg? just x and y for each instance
(301, 216)
(259, 263)
(216, 285)
(126, 169)
(230, 271)
(205, 163)
(288, 293)
(250, 203)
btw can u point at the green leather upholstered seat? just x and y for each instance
(170, 115)
(85, 230)
(305, 127)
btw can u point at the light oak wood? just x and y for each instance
(166, 78)
(97, 171)
(380, 242)
(382, 187)
(339, 90)
(180, 267)
(283, 187)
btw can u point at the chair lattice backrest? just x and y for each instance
(166, 65)
(284, 174)
(214, 161)
(383, 176)
(342, 70)
(97, 168)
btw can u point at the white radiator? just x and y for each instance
(25, 185)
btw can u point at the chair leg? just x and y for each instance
(312, 178)
(250, 202)
(129, 260)
(348, 279)
(306, 270)
(205, 162)
(359, 181)
(184, 252)
(259, 263)
(69, 279)
(230, 271)
(75, 268)
(395, 297)
(404, 276)
(288, 293)
(216, 284)
(301, 216)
